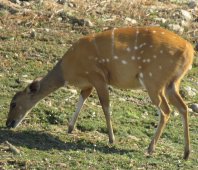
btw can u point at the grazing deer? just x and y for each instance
(149, 57)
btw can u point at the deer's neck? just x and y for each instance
(51, 82)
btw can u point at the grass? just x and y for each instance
(42, 138)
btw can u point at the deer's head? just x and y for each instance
(21, 104)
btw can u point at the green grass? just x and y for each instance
(42, 137)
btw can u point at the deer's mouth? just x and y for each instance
(11, 124)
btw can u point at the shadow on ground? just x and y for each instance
(45, 141)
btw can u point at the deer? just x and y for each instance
(148, 57)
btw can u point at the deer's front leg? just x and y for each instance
(82, 98)
(103, 94)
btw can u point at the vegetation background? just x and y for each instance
(33, 37)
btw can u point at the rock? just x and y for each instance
(88, 23)
(130, 21)
(71, 5)
(186, 15)
(47, 29)
(192, 4)
(134, 138)
(16, 55)
(176, 27)
(194, 107)
(190, 110)
(16, 1)
(175, 113)
(190, 91)
(33, 33)
(185, 24)
(60, 19)
(73, 91)
(26, 4)
(162, 20)
(61, 2)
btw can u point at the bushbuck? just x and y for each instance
(129, 58)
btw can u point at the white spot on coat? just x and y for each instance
(148, 60)
(115, 57)
(132, 57)
(171, 52)
(128, 49)
(161, 51)
(150, 74)
(140, 67)
(154, 56)
(124, 62)
(141, 75)
(135, 47)
(160, 67)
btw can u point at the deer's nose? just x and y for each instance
(10, 124)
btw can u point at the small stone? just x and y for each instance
(186, 15)
(73, 91)
(33, 33)
(162, 20)
(176, 27)
(194, 107)
(71, 4)
(190, 91)
(62, 2)
(16, 1)
(47, 29)
(130, 21)
(88, 23)
(185, 24)
(192, 4)
(26, 4)
(175, 113)
(60, 18)
(16, 55)
(190, 110)
(134, 138)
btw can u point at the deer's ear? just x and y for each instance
(34, 87)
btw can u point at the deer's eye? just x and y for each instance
(12, 105)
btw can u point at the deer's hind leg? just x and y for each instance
(172, 92)
(158, 98)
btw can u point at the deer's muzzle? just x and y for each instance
(10, 124)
